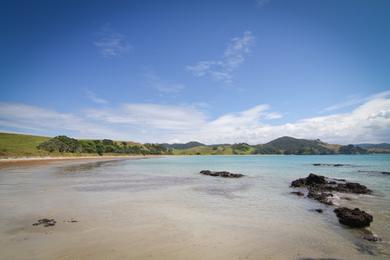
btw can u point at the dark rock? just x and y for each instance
(371, 237)
(352, 187)
(45, 222)
(298, 193)
(298, 183)
(223, 174)
(322, 197)
(330, 164)
(382, 172)
(317, 210)
(312, 179)
(355, 218)
(322, 183)
(315, 179)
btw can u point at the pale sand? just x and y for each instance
(30, 161)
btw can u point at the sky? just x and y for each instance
(209, 71)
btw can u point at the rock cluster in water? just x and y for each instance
(353, 217)
(330, 164)
(45, 222)
(381, 172)
(224, 174)
(321, 188)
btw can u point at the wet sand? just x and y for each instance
(30, 161)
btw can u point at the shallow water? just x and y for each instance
(162, 208)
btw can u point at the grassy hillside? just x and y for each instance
(20, 145)
(290, 145)
(205, 150)
(26, 145)
(282, 145)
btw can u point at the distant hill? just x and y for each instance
(183, 146)
(290, 145)
(282, 145)
(376, 148)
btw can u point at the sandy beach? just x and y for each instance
(162, 208)
(30, 161)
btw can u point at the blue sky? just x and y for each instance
(212, 71)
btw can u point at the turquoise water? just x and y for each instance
(254, 217)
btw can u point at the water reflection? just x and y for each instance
(83, 167)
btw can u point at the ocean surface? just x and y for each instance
(162, 208)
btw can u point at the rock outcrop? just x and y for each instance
(320, 187)
(355, 218)
(224, 174)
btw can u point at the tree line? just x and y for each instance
(65, 144)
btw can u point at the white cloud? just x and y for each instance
(162, 86)
(26, 117)
(356, 100)
(160, 117)
(112, 44)
(93, 97)
(234, 55)
(369, 122)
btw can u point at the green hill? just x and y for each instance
(29, 145)
(21, 145)
(282, 145)
(183, 146)
(16, 145)
(290, 145)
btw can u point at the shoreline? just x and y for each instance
(27, 161)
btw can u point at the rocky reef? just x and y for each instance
(320, 188)
(323, 189)
(224, 174)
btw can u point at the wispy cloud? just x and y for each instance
(163, 86)
(234, 55)
(94, 98)
(168, 117)
(112, 44)
(40, 120)
(369, 122)
(261, 3)
(356, 100)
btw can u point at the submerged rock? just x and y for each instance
(371, 237)
(382, 172)
(224, 174)
(322, 197)
(298, 193)
(330, 164)
(317, 210)
(355, 218)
